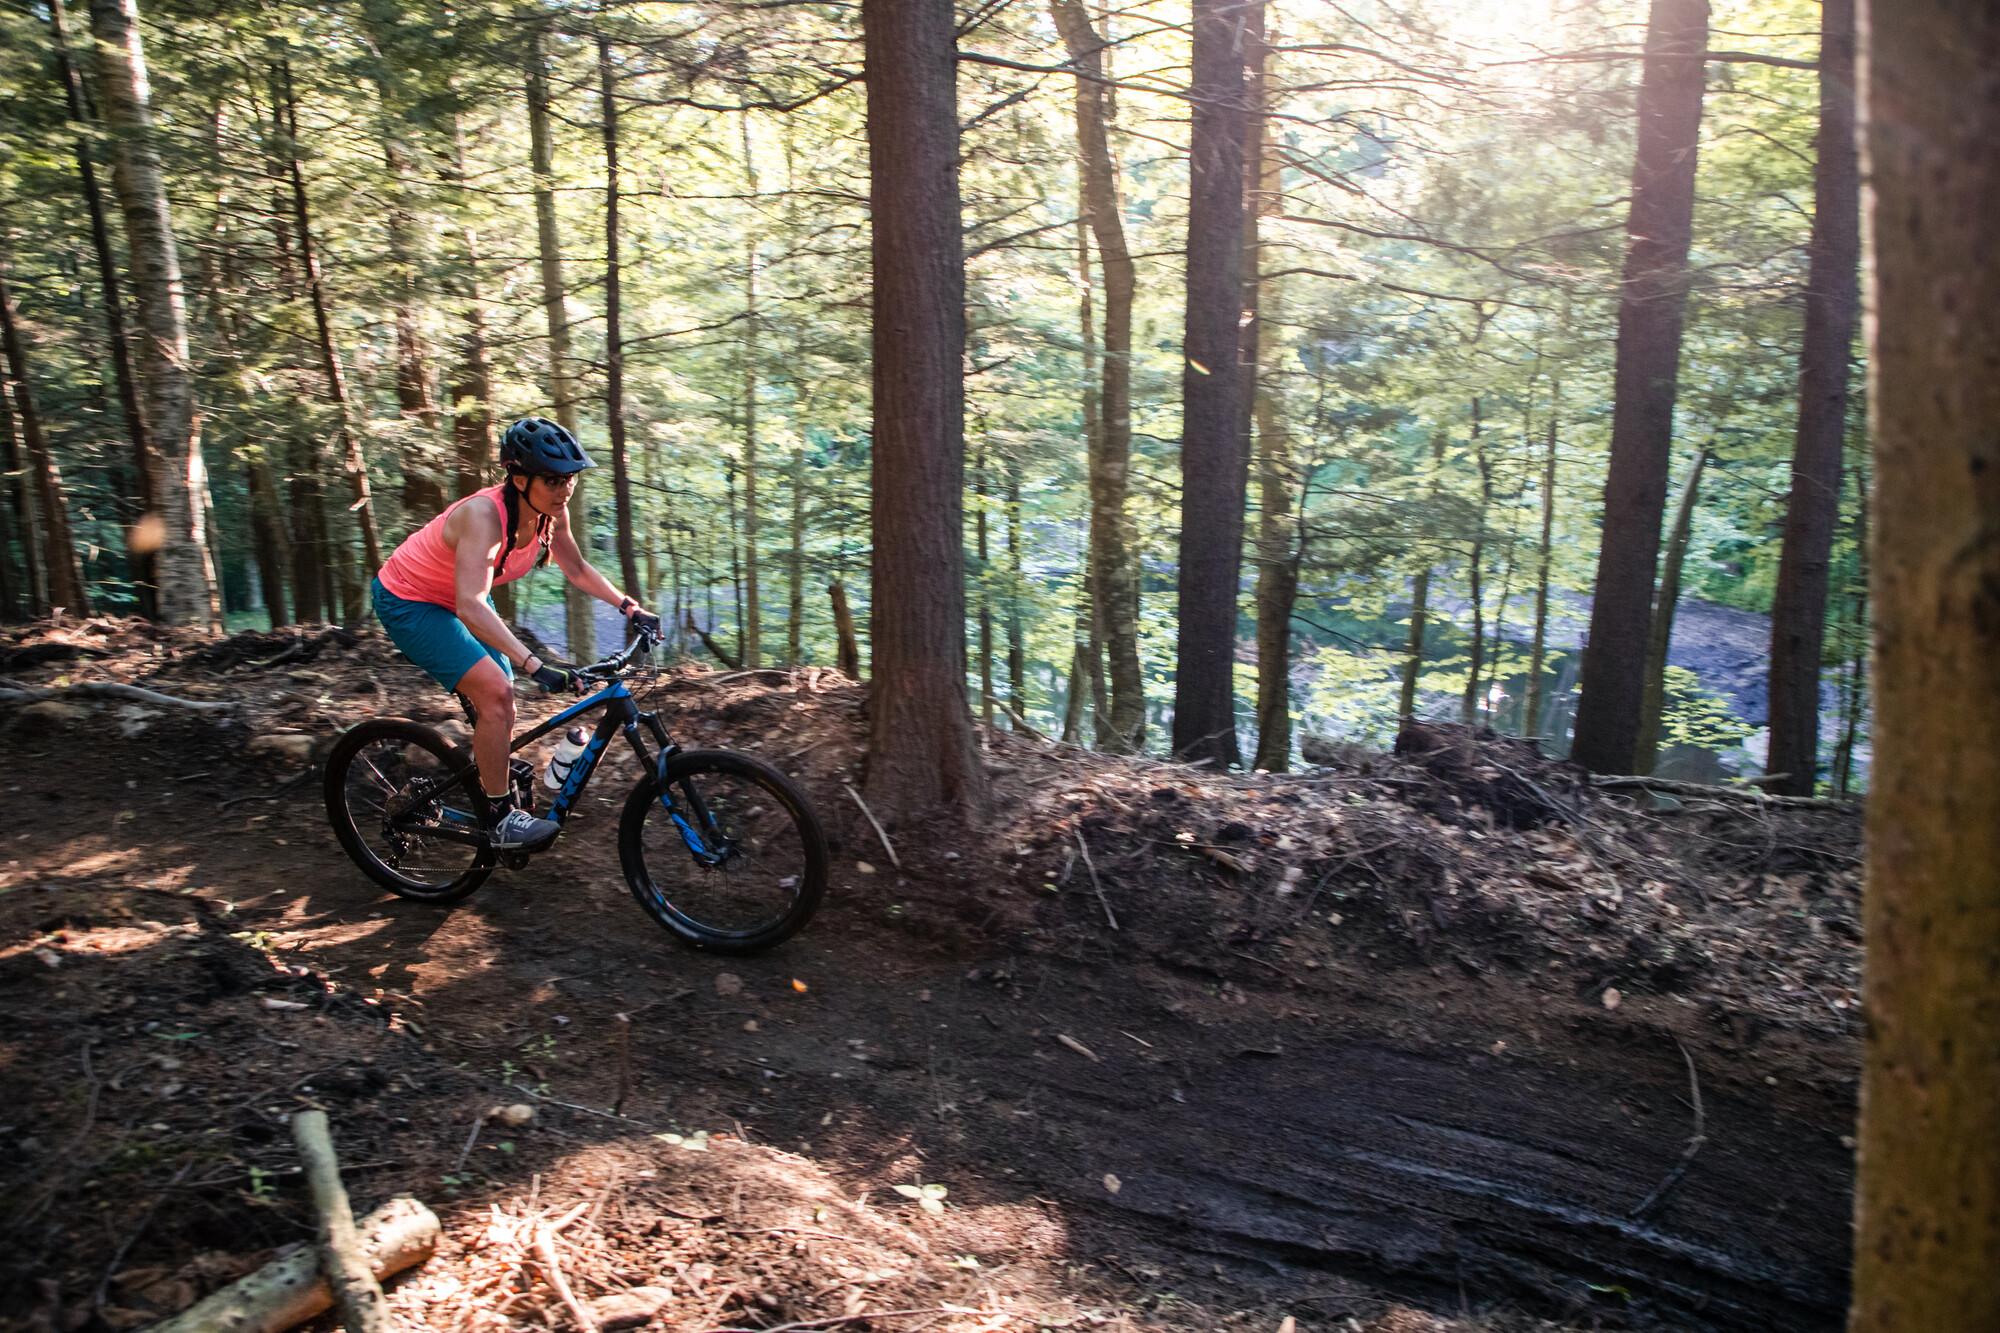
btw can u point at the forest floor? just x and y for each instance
(1439, 1041)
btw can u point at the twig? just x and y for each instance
(624, 1062)
(887, 846)
(545, 1250)
(587, 1110)
(105, 689)
(478, 1123)
(1095, 883)
(851, 1319)
(1687, 1154)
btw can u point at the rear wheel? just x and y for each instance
(724, 851)
(396, 793)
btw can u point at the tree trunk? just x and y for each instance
(579, 623)
(922, 753)
(614, 339)
(985, 585)
(1213, 459)
(1650, 309)
(142, 501)
(1927, 1199)
(1113, 538)
(267, 534)
(753, 625)
(1857, 679)
(26, 528)
(58, 547)
(1798, 611)
(472, 392)
(1469, 705)
(1646, 752)
(1413, 653)
(136, 177)
(796, 607)
(1017, 651)
(1532, 718)
(847, 651)
(352, 460)
(312, 590)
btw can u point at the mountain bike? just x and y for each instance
(720, 848)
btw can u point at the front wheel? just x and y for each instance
(403, 800)
(724, 851)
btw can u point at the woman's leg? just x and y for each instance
(492, 695)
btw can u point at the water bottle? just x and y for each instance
(564, 758)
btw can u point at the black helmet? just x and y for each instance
(537, 446)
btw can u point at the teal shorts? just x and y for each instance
(434, 637)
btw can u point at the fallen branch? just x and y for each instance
(887, 846)
(287, 1292)
(1647, 1204)
(1021, 723)
(711, 644)
(545, 1251)
(363, 1308)
(856, 1318)
(109, 689)
(1091, 866)
(1713, 792)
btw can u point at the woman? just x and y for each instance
(433, 596)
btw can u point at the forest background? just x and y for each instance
(400, 226)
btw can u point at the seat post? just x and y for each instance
(471, 713)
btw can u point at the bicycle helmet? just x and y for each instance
(540, 447)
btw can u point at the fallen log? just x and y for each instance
(1675, 787)
(110, 689)
(286, 1292)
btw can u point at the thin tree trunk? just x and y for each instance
(796, 608)
(164, 363)
(984, 584)
(312, 593)
(847, 651)
(27, 529)
(753, 627)
(1017, 653)
(1650, 310)
(423, 488)
(1087, 670)
(1646, 752)
(1469, 705)
(614, 343)
(352, 460)
(1798, 610)
(1843, 768)
(142, 501)
(922, 752)
(735, 555)
(58, 553)
(1413, 652)
(1113, 538)
(1213, 463)
(579, 622)
(1531, 720)
(1927, 1197)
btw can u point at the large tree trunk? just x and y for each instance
(1213, 458)
(21, 501)
(1646, 751)
(169, 409)
(58, 552)
(614, 338)
(922, 753)
(1531, 718)
(1113, 537)
(1798, 611)
(1927, 1215)
(142, 500)
(352, 461)
(579, 623)
(1650, 307)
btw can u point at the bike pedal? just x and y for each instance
(514, 860)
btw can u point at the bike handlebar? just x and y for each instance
(641, 645)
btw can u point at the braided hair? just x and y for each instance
(544, 525)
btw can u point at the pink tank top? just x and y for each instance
(423, 568)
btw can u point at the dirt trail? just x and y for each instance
(1313, 1123)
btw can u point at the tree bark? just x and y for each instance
(1646, 752)
(1413, 651)
(614, 337)
(26, 528)
(847, 650)
(1214, 466)
(142, 501)
(579, 623)
(1798, 611)
(1017, 651)
(1645, 378)
(1469, 704)
(58, 547)
(922, 753)
(753, 625)
(169, 409)
(1113, 538)
(423, 485)
(472, 391)
(353, 462)
(1927, 1199)
(985, 585)
(1531, 718)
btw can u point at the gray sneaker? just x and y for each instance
(517, 830)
